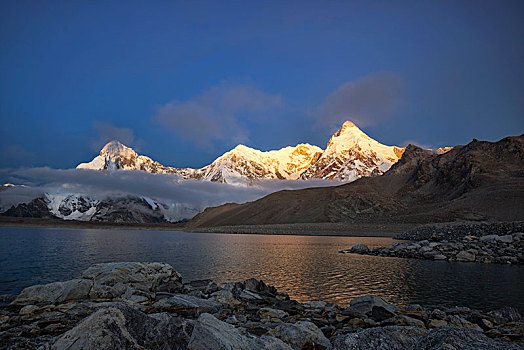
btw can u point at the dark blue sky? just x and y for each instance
(184, 82)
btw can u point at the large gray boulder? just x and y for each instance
(122, 327)
(210, 333)
(55, 292)
(302, 335)
(134, 282)
(371, 306)
(147, 277)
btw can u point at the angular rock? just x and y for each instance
(55, 292)
(506, 239)
(122, 327)
(403, 320)
(384, 338)
(460, 322)
(152, 277)
(252, 285)
(206, 286)
(435, 323)
(505, 315)
(132, 281)
(316, 304)
(453, 338)
(465, 256)
(187, 304)
(248, 295)
(28, 310)
(210, 333)
(269, 313)
(489, 238)
(302, 335)
(359, 249)
(225, 297)
(412, 338)
(372, 306)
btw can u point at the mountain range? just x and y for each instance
(350, 154)
(380, 182)
(479, 181)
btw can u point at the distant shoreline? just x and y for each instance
(305, 229)
(405, 231)
(57, 223)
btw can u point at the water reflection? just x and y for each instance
(307, 268)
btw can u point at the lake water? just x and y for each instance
(306, 267)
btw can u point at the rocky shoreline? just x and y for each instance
(133, 305)
(457, 231)
(506, 249)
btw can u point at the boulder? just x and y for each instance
(316, 304)
(359, 249)
(301, 335)
(505, 315)
(55, 292)
(403, 320)
(183, 303)
(135, 282)
(225, 297)
(269, 313)
(249, 295)
(465, 256)
(384, 338)
(210, 333)
(372, 306)
(506, 239)
(453, 338)
(461, 322)
(252, 285)
(434, 323)
(413, 338)
(489, 238)
(151, 277)
(122, 327)
(206, 286)
(438, 314)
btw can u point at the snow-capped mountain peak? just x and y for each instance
(351, 154)
(116, 156)
(115, 148)
(244, 165)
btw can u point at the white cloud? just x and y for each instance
(166, 188)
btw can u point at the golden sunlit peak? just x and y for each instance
(348, 124)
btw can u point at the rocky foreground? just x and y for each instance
(134, 305)
(506, 249)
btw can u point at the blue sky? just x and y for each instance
(183, 82)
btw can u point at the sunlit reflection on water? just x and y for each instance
(306, 267)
